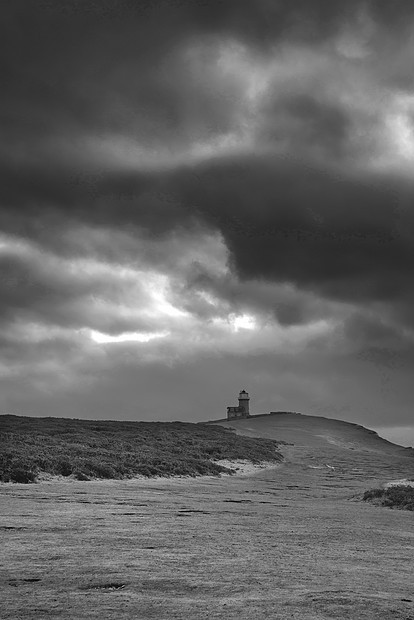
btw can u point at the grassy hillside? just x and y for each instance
(317, 432)
(111, 449)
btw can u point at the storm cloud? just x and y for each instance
(207, 193)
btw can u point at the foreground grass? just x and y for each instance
(87, 449)
(399, 496)
(285, 545)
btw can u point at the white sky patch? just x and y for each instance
(236, 62)
(398, 135)
(35, 333)
(9, 244)
(245, 333)
(186, 247)
(209, 298)
(127, 153)
(402, 126)
(101, 338)
(127, 297)
(136, 302)
(157, 286)
(242, 321)
(153, 285)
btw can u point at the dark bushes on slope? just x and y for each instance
(86, 449)
(399, 496)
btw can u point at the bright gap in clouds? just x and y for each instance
(243, 321)
(401, 126)
(101, 338)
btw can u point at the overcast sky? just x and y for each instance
(203, 196)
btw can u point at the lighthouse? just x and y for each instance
(244, 402)
(242, 411)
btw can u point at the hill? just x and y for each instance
(312, 432)
(87, 449)
(350, 452)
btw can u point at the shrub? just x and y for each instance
(103, 470)
(64, 468)
(398, 496)
(108, 449)
(25, 476)
(373, 494)
(79, 475)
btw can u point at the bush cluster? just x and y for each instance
(86, 449)
(399, 496)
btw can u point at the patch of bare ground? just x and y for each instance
(241, 467)
(403, 482)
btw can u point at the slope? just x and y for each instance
(313, 431)
(347, 451)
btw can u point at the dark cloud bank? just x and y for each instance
(239, 161)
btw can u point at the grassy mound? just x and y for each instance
(88, 449)
(399, 496)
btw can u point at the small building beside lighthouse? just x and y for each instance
(243, 409)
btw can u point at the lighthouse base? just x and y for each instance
(237, 412)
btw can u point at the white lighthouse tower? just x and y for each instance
(244, 399)
(242, 411)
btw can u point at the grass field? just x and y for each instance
(87, 449)
(289, 543)
(293, 542)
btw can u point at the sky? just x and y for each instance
(199, 197)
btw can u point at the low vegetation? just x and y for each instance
(398, 496)
(86, 449)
